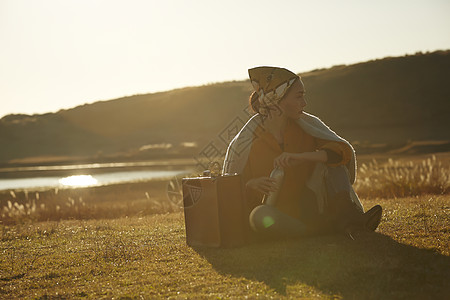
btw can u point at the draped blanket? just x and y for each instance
(239, 150)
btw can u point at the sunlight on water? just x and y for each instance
(78, 180)
(105, 178)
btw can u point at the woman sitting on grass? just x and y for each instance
(316, 194)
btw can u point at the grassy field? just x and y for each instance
(408, 258)
(97, 254)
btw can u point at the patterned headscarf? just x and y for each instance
(271, 84)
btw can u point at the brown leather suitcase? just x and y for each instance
(214, 211)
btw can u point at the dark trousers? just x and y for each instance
(338, 211)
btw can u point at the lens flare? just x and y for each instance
(268, 221)
(78, 181)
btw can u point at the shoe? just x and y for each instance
(373, 217)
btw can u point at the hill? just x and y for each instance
(387, 102)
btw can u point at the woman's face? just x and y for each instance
(294, 101)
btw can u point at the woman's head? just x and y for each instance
(277, 90)
(294, 101)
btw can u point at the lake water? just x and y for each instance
(86, 180)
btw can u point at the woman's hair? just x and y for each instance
(254, 102)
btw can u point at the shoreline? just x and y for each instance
(5, 168)
(64, 170)
(107, 201)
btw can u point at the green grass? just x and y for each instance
(408, 258)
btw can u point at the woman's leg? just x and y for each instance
(343, 213)
(338, 183)
(269, 221)
(340, 208)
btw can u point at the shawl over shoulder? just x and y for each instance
(239, 149)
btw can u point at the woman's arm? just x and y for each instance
(339, 153)
(292, 159)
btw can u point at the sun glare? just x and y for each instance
(78, 180)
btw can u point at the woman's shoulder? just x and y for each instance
(311, 120)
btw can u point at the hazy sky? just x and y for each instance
(62, 53)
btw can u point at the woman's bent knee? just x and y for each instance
(261, 218)
(337, 180)
(269, 220)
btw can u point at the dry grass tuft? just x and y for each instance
(397, 178)
(105, 202)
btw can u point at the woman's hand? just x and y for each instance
(286, 159)
(263, 185)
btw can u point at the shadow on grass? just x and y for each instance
(372, 267)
